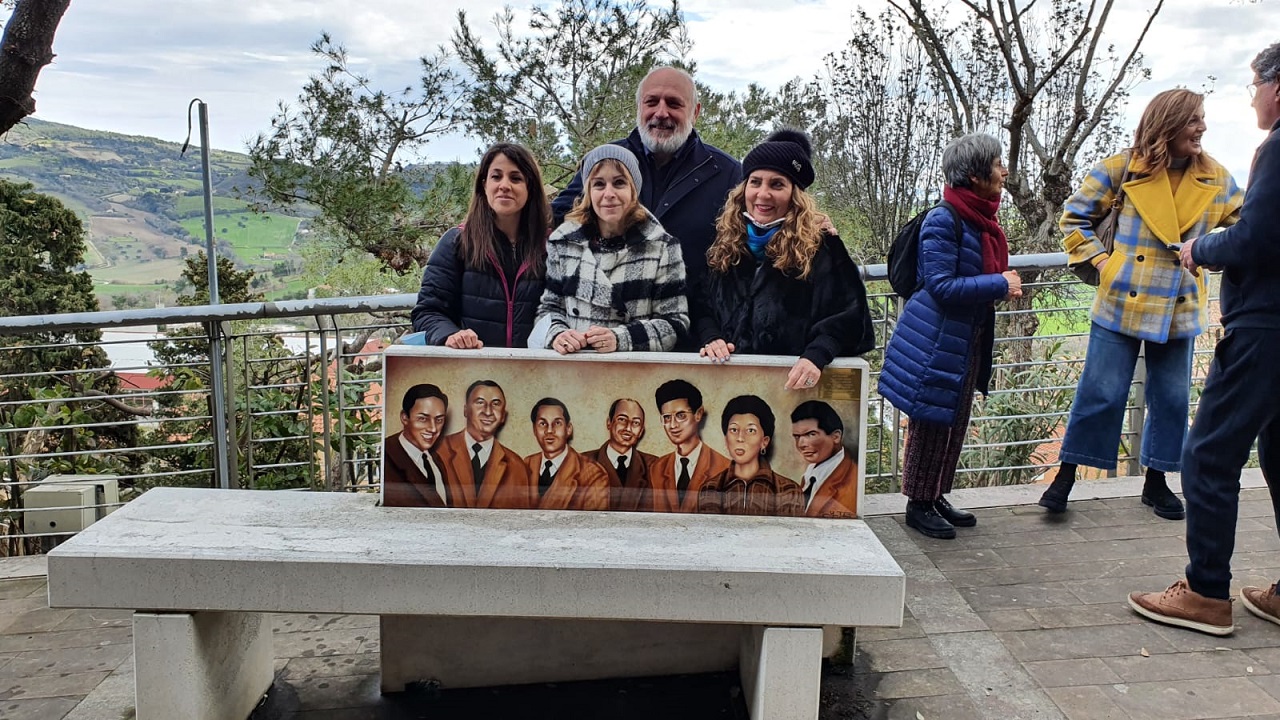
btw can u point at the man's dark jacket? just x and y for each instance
(1249, 251)
(699, 177)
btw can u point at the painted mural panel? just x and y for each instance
(634, 432)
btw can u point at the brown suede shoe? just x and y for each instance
(1183, 607)
(1263, 602)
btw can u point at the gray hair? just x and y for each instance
(967, 156)
(1267, 64)
(681, 71)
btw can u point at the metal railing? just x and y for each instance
(128, 393)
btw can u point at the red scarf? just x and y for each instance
(981, 213)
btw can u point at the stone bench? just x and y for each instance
(472, 597)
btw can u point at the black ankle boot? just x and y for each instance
(953, 514)
(1156, 494)
(1055, 498)
(923, 517)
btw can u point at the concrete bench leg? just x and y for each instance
(838, 644)
(200, 666)
(781, 670)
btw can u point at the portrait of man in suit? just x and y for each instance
(486, 474)
(830, 482)
(413, 474)
(565, 479)
(626, 466)
(675, 478)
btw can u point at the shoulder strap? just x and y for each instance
(1117, 201)
(955, 216)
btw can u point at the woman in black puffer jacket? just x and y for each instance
(483, 281)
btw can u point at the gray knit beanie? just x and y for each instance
(612, 152)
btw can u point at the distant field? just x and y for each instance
(92, 257)
(123, 289)
(142, 273)
(290, 288)
(194, 205)
(187, 184)
(14, 163)
(250, 234)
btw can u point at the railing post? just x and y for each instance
(233, 448)
(342, 403)
(223, 468)
(1138, 415)
(322, 325)
(218, 405)
(895, 478)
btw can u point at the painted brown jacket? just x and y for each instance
(765, 493)
(624, 493)
(506, 481)
(403, 484)
(838, 496)
(579, 484)
(661, 495)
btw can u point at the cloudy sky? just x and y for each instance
(132, 66)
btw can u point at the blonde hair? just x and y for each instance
(1165, 116)
(791, 249)
(585, 215)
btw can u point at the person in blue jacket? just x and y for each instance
(1239, 402)
(484, 279)
(941, 349)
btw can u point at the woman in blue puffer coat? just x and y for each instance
(941, 349)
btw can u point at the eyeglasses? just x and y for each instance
(1254, 86)
(678, 418)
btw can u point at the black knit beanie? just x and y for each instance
(785, 151)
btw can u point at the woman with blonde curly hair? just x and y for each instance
(778, 283)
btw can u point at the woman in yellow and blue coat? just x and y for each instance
(1146, 301)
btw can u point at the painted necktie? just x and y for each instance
(544, 480)
(477, 470)
(682, 483)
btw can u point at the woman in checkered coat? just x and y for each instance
(1146, 301)
(615, 278)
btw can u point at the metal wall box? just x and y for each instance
(107, 493)
(74, 501)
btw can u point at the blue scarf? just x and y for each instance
(758, 236)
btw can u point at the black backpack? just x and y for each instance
(904, 253)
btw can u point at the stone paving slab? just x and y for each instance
(39, 709)
(1021, 617)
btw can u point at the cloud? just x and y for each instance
(133, 65)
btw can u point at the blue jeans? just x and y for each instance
(1097, 415)
(1239, 405)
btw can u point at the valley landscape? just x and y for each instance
(141, 203)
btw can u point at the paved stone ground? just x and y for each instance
(1020, 617)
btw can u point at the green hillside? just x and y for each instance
(143, 207)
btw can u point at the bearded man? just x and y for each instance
(684, 180)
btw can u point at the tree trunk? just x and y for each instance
(27, 46)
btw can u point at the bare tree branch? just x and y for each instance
(934, 45)
(117, 403)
